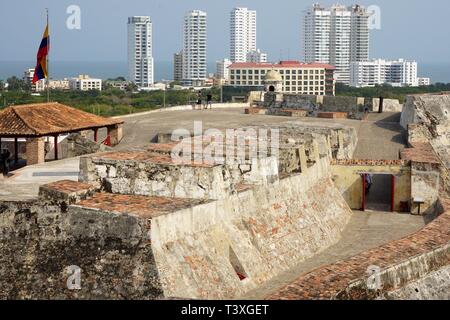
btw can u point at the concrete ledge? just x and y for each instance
(297, 113)
(184, 108)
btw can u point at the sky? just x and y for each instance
(411, 29)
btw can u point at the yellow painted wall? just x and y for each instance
(348, 180)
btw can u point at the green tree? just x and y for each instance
(16, 84)
(132, 87)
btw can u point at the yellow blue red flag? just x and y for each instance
(41, 67)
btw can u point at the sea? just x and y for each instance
(438, 72)
(96, 69)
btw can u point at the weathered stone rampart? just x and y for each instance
(382, 272)
(427, 118)
(139, 226)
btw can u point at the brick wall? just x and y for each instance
(358, 162)
(35, 151)
(116, 134)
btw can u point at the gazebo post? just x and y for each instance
(16, 151)
(96, 134)
(56, 147)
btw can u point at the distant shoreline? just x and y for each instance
(96, 69)
(438, 72)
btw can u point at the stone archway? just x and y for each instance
(271, 89)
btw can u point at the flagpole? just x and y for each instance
(48, 53)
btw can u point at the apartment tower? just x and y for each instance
(338, 36)
(194, 47)
(140, 57)
(242, 33)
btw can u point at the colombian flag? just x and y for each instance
(41, 68)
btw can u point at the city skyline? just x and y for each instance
(392, 41)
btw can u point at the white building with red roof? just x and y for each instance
(298, 77)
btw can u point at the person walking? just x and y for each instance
(2, 167)
(5, 161)
(209, 101)
(369, 182)
(199, 100)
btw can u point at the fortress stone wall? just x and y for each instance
(139, 226)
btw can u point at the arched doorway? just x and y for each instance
(271, 89)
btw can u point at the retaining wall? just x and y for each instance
(398, 264)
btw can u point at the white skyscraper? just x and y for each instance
(140, 57)
(338, 35)
(194, 47)
(242, 33)
(316, 35)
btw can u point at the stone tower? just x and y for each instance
(273, 82)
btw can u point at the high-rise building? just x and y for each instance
(316, 35)
(359, 46)
(338, 35)
(398, 73)
(256, 56)
(222, 71)
(194, 47)
(140, 57)
(242, 33)
(178, 66)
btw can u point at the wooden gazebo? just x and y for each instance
(36, 121)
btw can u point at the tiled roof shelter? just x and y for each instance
(35, 121)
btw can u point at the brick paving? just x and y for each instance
(421, 152)
(68, 186)
(141, 206)
(361, 162)
(152, 157)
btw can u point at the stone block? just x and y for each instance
(66, 191)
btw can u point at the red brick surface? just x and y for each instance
(326, 282)
(68, 186)
(358, 162)
(254, 110)
(48, 118)
(141, 206)
(333, 115)
(420, 152)
(148, 156)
